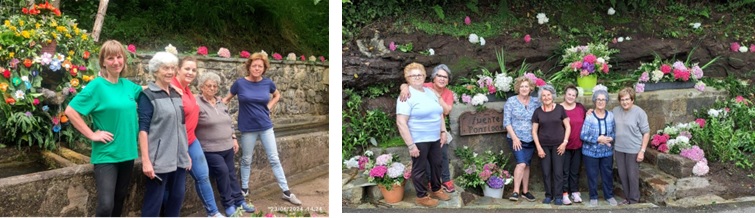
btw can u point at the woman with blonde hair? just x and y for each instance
(257, 98)
(517, 119)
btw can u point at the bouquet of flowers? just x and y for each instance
(387, 171)
(586, 60)
(674, 139)
(665, 71)
(485, 169)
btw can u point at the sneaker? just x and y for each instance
(566, 199)
(547, 200)
(576, 197)
(558, 202)
(624, 202)
(292, 198)
(229, 211)
(245, 191)
(440, 195)
(218, 214)
(514, 197)
(449, 186)
(529, 196)
(612, 202)
(426, 201)
(593, 202)
(249, 208)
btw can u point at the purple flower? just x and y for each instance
(466, 98)
(697, 72)
(644, 77)
(588, 66)
(679, 65)
(469, 170)
(639, 87)
(14, 62)
(694, 153)
(378, 171)
(363, 160)
(686, 134)
(28, 114)
(392, 46)
(495, 182)
(700, 86)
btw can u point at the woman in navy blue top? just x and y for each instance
(257, 97)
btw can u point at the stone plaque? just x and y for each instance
(484, 122)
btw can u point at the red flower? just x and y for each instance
(663, 148)
(25, 10)
(681, 74)
(527, 38)
(36, 101)
(605, 68)
(6, 74)
(57, 12)
(86, 55)
(244, 54)
(701, 122)
(539, 82)
(665, 69)
(202, 50)
(277, 56)
(303, 58)
(27, 63)
(491, 89)
(322, 58)
(74, 71)
(132, 48)
(10, 101)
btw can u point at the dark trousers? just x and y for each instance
(426, 163)
(112, 181)
(222, 168)
(572, 162)
(553, 171)
(154, 199)
(602, 167)
(629, 174)
(445, 174)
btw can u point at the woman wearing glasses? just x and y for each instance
(420, 123)
(632, 135)
(597, 135)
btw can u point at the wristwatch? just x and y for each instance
(642, 150)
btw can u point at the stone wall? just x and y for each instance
(303, 85)
(71, 191)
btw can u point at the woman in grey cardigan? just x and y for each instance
(632, 135)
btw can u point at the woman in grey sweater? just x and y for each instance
(632, 135)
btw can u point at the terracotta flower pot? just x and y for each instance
(396, 193)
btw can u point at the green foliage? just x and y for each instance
(21, 129)
(361, 129)
(473, 163)
(378, 90)
(439, 11)
(730, 136)
(472, 6)
(298, 26)
(405, 47)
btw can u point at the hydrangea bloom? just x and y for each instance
(495, 182)
(396, 170)
(700, 86)
(224, 52)
(701, 168)
(473, 38)
(611, 11)
(378, 171)
(172, 49)
(735, 46)
(383, 160)
(352, 163)
(679, 65)
(503, 82)
(244, 54)
(527, 38)
(694, 153)
(541, 18)
(639, 87)
(392, 46)
(644, 77)
(407, 172)
(479, 99)
(469, 170)
(466, 98)
(665, 68)
(485, 174)
(701, 122)
(202, 50)
(467, 20)
(363, 160)
(697, 72)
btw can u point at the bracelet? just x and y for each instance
(410, 146)
(443, 131)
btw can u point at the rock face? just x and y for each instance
(303, 85)
(360, 71)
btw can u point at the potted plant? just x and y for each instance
(390, 175)
(495, 179)
(662, 74)
(585, 63)
(483, 171)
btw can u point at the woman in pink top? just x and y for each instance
(573, 155)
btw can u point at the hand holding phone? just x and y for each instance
(158, 179)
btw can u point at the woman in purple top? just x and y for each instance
(257, 97)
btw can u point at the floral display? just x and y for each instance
(665, 71)
(674, 139)
(202, 50)
(586, 60)
(224, 52)
(386, 170)
(483, 169)
(245, 54)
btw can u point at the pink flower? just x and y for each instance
(527, 38)
(277, 56)
(639, 87)
(590, 58)
(302, 58)
(735, 46)
(605, 68)
(727, 109)
(697, 72)
(740, 99)
(378, 171)
(539, 82)
(584, 73)
(491, 89)
(663, 148)
(322, 59)
(681, 74)
(752, 48)
(659, 139)
(244, 54)
(408, 172)
(132, 48)
(466, 98)
(269, 215)
(644, 77)
(701, 122)
(202, 50)
(700, 86)
(665, 68)
(392, 46)
(485, 174)
(614, 41)
(701, 168)
(36, 101)
(576, 65)
(467, 21)
(530, 76)
(224, 52)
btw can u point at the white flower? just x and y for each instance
(682, 139)
(312, 58)
(671, 130)
(431, 51)
(743, 49)
(541, 18)
(171, 49)
(601, 60)
(291, 56)
(580, 91)
(263, 53)
(396, 170)
(695, 25)
(503, 82)
(656, 75)
(628, 38)
(351, 163)
(479, 99)
(474, 154)
(368, 153)
(611, 11)
(713, 112)
(473, 38)
(482, 41)
(20, 94)
(743, 82)
(25, 78)
(620, 39)
(700, 168)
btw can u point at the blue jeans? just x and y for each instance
(248, 140)
(604, 167)
(201, 174)
(167, 195)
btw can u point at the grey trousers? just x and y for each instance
(629, 174)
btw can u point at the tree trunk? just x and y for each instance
(99, 20)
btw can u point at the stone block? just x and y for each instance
(352, 195)
(675, 165)
(651, 156)
(692, 186)
(373, 193)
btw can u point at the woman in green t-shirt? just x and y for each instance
(111, 103)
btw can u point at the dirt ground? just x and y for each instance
(731, 181)
(313, 194)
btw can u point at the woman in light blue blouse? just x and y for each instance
(517, 119)
(597, 135)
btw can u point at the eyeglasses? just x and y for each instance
(415, 76)
(211, 86)
(441, 76)
(625, 99)
(167, 67)
(600, 100)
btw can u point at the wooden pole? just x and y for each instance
(99, 20)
